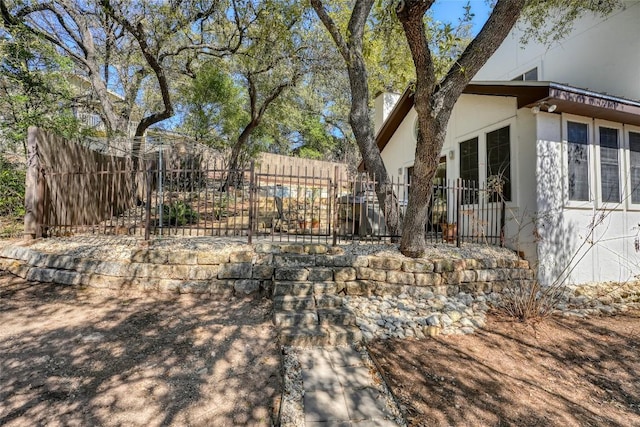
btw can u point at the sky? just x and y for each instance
(451, 10)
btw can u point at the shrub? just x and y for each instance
(530, 301)
(12, 183)
(178, 213)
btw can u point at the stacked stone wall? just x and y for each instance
(250, 272)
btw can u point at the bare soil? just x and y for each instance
(559, 372)
(71, 356)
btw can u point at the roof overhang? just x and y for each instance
(567, 99)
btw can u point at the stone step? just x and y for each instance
(343, 335)
(289, 302)
(337, 316)
(303, 288)
(328, 301)
(295, 318)
(312, 336)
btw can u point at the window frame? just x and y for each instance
(566, 118)
(622, 187)
(477, 163)
(509, 128)
(627, 129)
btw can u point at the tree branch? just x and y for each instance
(495, 30)
(322, 13)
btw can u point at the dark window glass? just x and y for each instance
(531, 74)
(634, 148)
(578, 159)
(609, 165)
(469, 168)
(499, 162)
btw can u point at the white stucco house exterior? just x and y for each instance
(565, 120)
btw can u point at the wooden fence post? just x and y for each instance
(34, 188)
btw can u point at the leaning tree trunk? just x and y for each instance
(359, 119)
(360, 122)
(235, 176)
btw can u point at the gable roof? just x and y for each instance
(568, 99)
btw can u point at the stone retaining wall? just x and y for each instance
(254, 271)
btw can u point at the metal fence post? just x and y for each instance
(252, 188)
(502, 220)
(458, 205)
(147, 204)
(335, 202)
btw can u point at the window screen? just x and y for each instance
(634, 169)
(499, 160)
(578, 159)
(609, 165)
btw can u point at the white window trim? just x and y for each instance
(579, 204)
(481, 134)
(528, 67)
(621, 166)
(627, 168)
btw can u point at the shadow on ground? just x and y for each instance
(567, 372)
(71, 356)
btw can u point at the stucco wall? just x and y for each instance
(473, 115)
(563, 227)
(601, 54)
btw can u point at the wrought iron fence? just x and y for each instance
(195, 198)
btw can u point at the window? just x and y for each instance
(634, 169)
(578, 159)
(469, 167)
(528, 76)
(609, 165)
(499, 162)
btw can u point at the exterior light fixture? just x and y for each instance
(542, 106)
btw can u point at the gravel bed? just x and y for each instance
(115, 248)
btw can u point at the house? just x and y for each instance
(561, 125)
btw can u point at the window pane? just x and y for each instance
(531, 74)
(469, 167)
(634, 147)
(609, 169)
(577, 137)
(499, 160)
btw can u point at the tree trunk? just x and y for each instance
(361, 125)
(234, 177)
(413, 242)
(434, 102)
(351, 50)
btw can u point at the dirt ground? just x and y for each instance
(560, 372)
(71, 356)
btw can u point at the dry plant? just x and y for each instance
(530, 301)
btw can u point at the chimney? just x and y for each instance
(383, 104)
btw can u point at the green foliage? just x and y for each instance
(179, 213)
(33, 89)
(12, 187)
(212, 106)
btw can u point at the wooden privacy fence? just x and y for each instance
(284, 205)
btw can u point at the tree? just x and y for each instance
(33, 90)
(270, 62)
(211, 106)
(350, 46)
(124, 48)
(435, 98)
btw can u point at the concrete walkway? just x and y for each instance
(341, 390)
